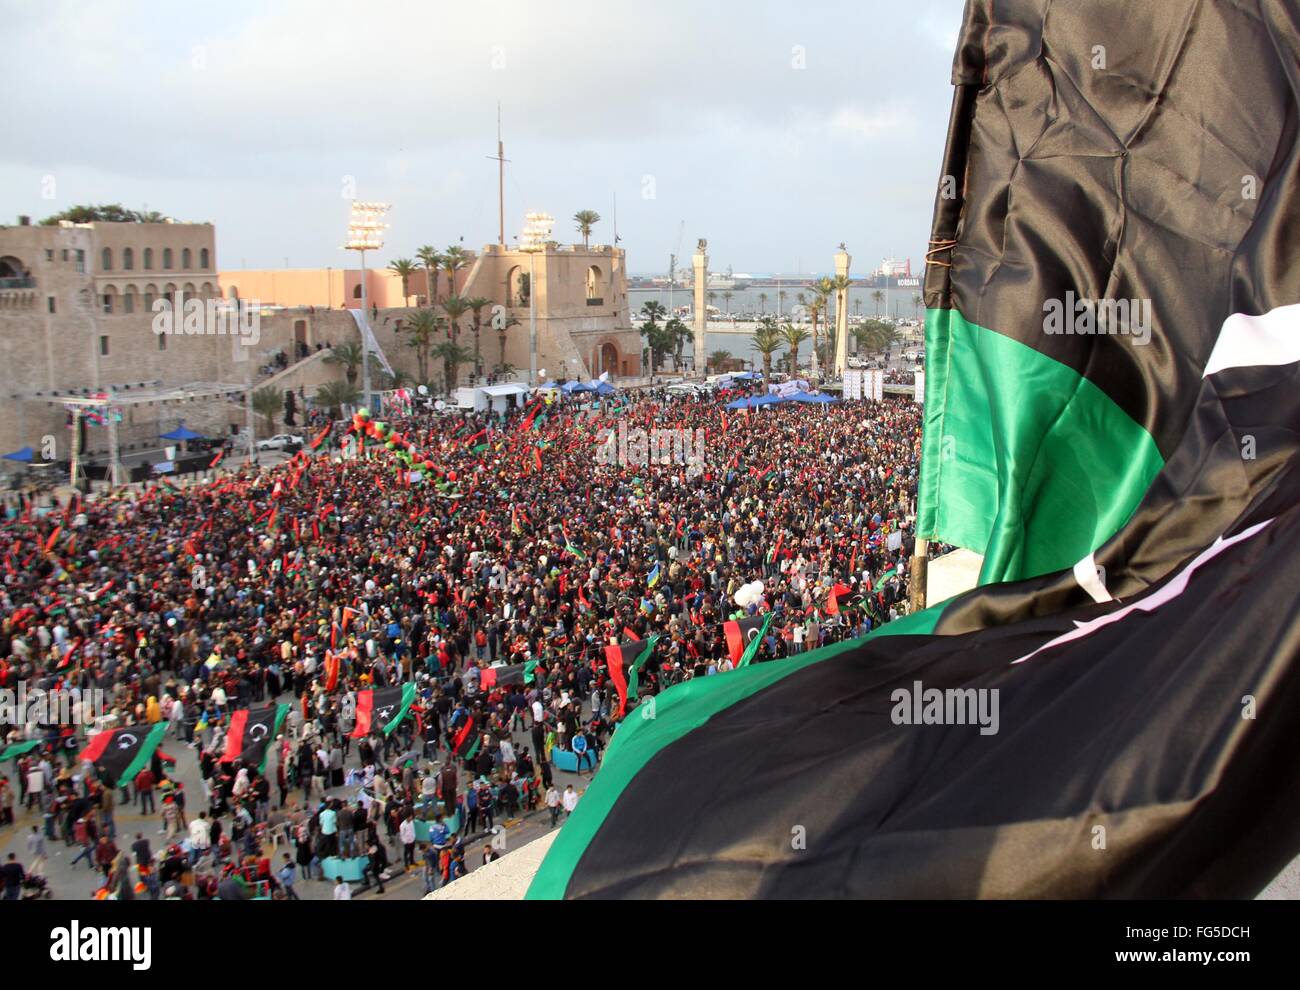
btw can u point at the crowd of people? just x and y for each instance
(340, 572)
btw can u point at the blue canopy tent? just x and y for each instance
(754, 402)
(746, 376)
(601, 388)
(182, 433)
(820, 397)
(573, 388)
(25, 455)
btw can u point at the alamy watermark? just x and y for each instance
(636, 447)
(200, 317)
(1073, 315)
(918, 705)
(57, 707)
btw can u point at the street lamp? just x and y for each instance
(366, 233)
(537, 231)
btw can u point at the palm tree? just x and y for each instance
(726, 298)
(857, 307)
(432, 261)
(767, 341)
(268, 402)
(654, 311)
(877, 297)
(718, 359)
(420, 329)
(916, 304)
(404, 268)
(455, 307)
(335, 395)
(780, 298)
(453, 260)
(762, 303)
(586, 219)
(677, 332)
(792, 336)
(453, 356)
(349, 357)
(476, 303)
(823, 289)
(506, 324)
(398, 379)
(814, 311)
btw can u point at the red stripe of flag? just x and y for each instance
(365, 708)
(235, 736)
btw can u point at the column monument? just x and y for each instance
(701, 260)
(842, 261)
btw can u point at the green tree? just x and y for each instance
(767, 341)
(419, 329)
(678, 333)
(268, 402)
(453, 356)
(877, 297)
(916, 305)
(653, 310)
(762, 303)
(586, 220)
(404, 268)
(476, 304)
(334, 396)
(347, 356)
(718, 360)
(431, 261)
(105, 213)
(455, 307)
(453, 260)
(792, 336)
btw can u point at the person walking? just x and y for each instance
(287, 876)
(553, 804)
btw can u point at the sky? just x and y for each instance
(774, 130)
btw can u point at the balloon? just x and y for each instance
(363, 413)
(390, 445)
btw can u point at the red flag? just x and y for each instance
(537, 457)
(217, 460)
(49, 544)
(320, 437)
(331, 670)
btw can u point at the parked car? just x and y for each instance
(281, 441)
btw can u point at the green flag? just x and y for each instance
(752, 649)
(634, 668)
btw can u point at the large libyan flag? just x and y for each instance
(120, 754)
(1113, 712)
(382, 709)
(250, 735)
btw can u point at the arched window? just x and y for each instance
(150, 294)
(128, 259)
(595, 286)
(167, 258)
(128, 298)
(108, 297)
(148, 259)
(187, 257)
(170, 293)
(203, 258)
(106, 259)
(356, 291)
(232, 292)
(206, 291)
(517, 286)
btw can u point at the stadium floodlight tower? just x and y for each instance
(537, 231)
(366, 233)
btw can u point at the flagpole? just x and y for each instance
(920, 569)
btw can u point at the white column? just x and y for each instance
(701, 261)
(842, 261)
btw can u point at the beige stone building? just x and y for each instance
(76, 319)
